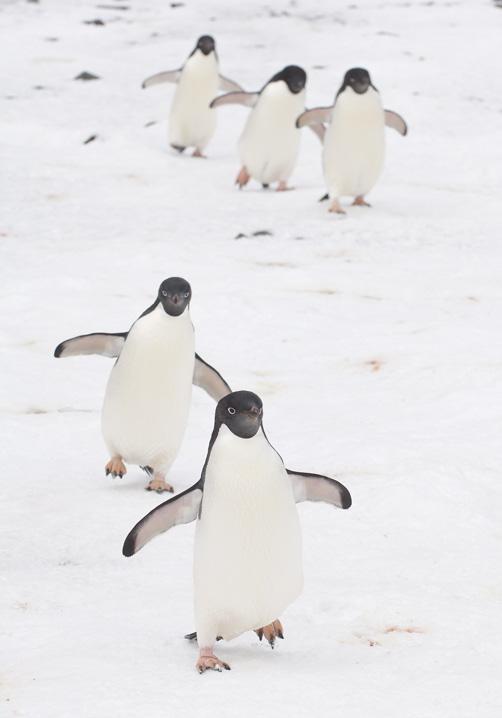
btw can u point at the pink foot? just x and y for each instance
(158, 484)
(198, 153)
(336, 207)
(271, 632)
(283, 187)
(242, 178)
(208, 661)
(360, 202)
(115, 467)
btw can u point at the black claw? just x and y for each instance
(107, 471)
(280, 634)
(227, 667)
(148, 488)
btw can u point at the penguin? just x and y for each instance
(147, 398)
(269, 143)
(248, 552)
(192, 122)
(354, 141)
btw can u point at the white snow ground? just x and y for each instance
(374, 341)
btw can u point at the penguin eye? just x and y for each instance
(231, 410)
(164, 293)
(186, 295)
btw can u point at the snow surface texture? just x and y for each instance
(373, 339)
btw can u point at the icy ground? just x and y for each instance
(375, 341)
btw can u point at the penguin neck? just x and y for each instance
(239, 464)
(350, 101)
(279, 92)
(201, 65)
(157, 322)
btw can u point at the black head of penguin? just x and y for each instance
(358, 79)
(295, 78)
(205, 44)
(242, 412)
(174, 295)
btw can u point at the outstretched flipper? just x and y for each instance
(314, 487)
(108, 345)
(249, 99)
(392, 119)
(315, 116)
(229, 85)
(181, 509)
(160, 77)
(205, 376)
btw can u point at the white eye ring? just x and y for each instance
(187, 294)
(231, 410)
(164, 293)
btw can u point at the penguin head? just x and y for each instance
(206, 44)
(174, 295)
(242, 412)
(358, 79)
(295, 78)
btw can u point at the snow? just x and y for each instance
(374, 341)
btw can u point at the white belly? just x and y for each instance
(248, 556)
(269, 144)
(147, 398)
(192, 123)
(354, 145)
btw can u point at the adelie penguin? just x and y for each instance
(269, 143)
(354, 140)
(191, 121)
(147, 399)
(248, 553)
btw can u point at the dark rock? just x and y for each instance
(86, 76)
(91, 138)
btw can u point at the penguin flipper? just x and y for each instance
(160, 77)
(206, 376)
(315, 116)
(315, 487)
(108, 345)
(229, 85)
(248, 99)
(180, 509)
(319, 130)
(392, 119)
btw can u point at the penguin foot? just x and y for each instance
(271, 632)
(360, 202)
(208, 661)
(283, 187)
(337, 207)
(243, 177)
(115, 467)
(158, 484)
(198, 153)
